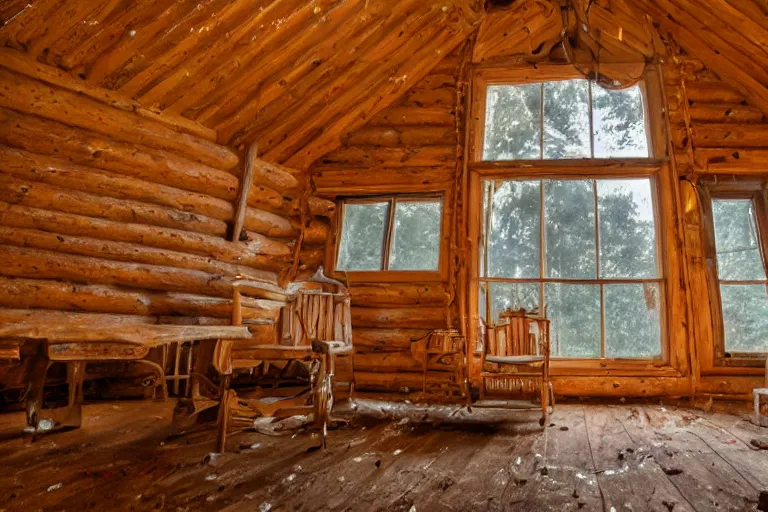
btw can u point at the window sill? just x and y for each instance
(389, 276)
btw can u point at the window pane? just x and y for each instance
(362, 236)
(745, 317)
(513, 296)
(574, 310)
(566, 120)
(569, 210)
(632, 320)
(618, 123)
(627, 233)
(512, 122)
(416, 235)
(738, 253)
(513, 248)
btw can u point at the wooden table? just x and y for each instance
(77, 345)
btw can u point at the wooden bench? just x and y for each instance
(77, 345)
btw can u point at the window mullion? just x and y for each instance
(591, 121)
(542, 249)
(541, 122)
(597, 269)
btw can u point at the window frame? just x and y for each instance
(484, 281)
(757, 192)
(673, 362)
(485, 77)
(386, 275)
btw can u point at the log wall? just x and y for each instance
(715, 131)
(109, 213)
(415, 146)
(409, 147)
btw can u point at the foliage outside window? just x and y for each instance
(586, 249)
(566, 119)
(394, 233)
(741, 274)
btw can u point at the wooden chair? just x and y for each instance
(315, 329)
(516, 355)
(443, 354)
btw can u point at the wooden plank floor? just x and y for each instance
(394, 457)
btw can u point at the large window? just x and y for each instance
(390, 233)
(741, 273)
(585, 249)
(566, 119)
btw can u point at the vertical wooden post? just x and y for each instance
(238, 218)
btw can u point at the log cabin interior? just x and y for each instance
(384, 255)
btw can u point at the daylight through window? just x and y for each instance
(741, 275)
(587, 250)
(566, 119)
(395, 233)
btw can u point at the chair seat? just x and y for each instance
(514, 359)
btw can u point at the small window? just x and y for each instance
(567, 119)
(741, 275)
(395, 233)
(584, 248)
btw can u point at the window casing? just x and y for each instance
(737, 229)
(588, 247)
(390, 235)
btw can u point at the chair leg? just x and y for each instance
(35, 390)
(551, 397)
(482, 388)
(223, 421)
(544, 405)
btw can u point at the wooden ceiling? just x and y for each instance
(295, 75)
(292, 75)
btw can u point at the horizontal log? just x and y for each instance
(387, 136)
(397, 157)
(31, 96)
(38, 195)
(258, 253)
(415, 318)
(404, 382)
(336, 182)
(386, 340)
(316, 232)
(311, 257)
(321, 207)
(128, 252)
(391, 294)
(38, 264)
(18, 315)
(274, 176)
(96, 181)
(730, 161)
(386, 362)
(45, 294)
(415, 115)
(706, 92)
(430, 97)
(730, 135)
(719, 113)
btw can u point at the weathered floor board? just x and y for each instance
(399, 458)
